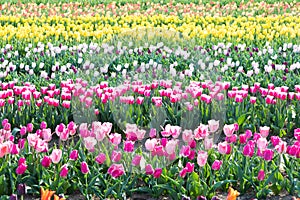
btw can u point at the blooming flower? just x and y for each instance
(84, 168)
(216, 165)
(202, 158)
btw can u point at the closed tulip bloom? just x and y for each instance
(116, 156)
(190, 167)
(46, 161)
(100, 159)
(74, 155)
(264, 131)
(213, 125)
(229, 129)
(202, 158)
(208, 143)
(149, 170)
(183, 172)
(136, 160)
(268, 154)
(261, 175)
(262, 143)
(64, 171)
(56, 155)
(157, 172)
(216, 164)
(84, 168)
(128, 146)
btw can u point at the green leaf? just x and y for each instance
(242, 119)
(282, 133)
(220, 183)
(4, 185)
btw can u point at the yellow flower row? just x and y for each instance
(100, 27)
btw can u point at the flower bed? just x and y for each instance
(184, 101)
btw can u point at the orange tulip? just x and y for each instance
(232, 194)
(46, 194)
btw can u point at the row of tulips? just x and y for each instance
(171, 161)
(97, 28)
(149, 8)
(151, 104)
(239, 64)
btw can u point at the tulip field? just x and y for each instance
(149, 100)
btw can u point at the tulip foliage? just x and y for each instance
(181, 100)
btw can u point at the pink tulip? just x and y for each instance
(152, 133)
(41, 146)
(268, 154)
(264, 131)
(149, 170)
(164, 141)
(262, 143)
(293, 150)
(56, 155)
(46, 134)
(202, 158)
(72, 128)
(216, 165)
(275, 140)
(150, 144)
(46, 161)
(213, 125)
(74, 155)
(248, 134)
(297, 134)
(187, 136)
(83, 130)
(183, 172)
(21, 143)
(261, 175)
(281, 147)
(243, 138)
(116, 170)
(89, 143)
(23, 130)
(4, 149)
(21, 166)
(115, 138)
(157, 172)
(192, 155)
(192, 144)
(248, 150)
(64, 171)
(136, 160)
(201, 132)
(43, 125)
(208, 143)
(252, 100)
(231, 139)
(21, 169)
(189, 167)
(32, 139)
(60, 129)
(224, 148)
(229, 129)
(256, 136)
(171, 146)
(84, 168)
(116, 156)
(128, 146)
(64, 135)
(100, 159)
(14, 149)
